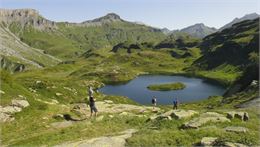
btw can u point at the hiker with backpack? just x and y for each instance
(91, 101)
(175, 104)
(154, 101)
(92, 106)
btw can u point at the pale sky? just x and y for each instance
(173, 14)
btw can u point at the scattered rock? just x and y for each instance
(11, 109)
(44, 118)
(38, 82)
(80, 109)
(177, 114)
(124, 113)
(53, 87)
(108, 101)
(54, 101)
(205, 118)
(111, 116)
(20, 103)
(58, 94)
(7, 111)
(180, 114)
(108, 141)
(22, 97)
(2, 92)
(236, 129)
(58, 116)
(230, 144)
(241, 115)
(208, 141)
(32, 90)
(5, 117)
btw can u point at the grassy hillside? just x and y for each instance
(15, 52)
(227, 53)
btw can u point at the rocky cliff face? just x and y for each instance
(25, 17)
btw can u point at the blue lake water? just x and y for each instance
(136, 89)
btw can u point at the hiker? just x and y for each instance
(154, 102)
(90, 92)
(175, 104)
(92, 106)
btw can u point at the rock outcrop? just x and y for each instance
(26, 17)
(236, 129)
(240, 115)
(109, 141)
(208, 141)
(7, 111)
(177, 114)
(205, 118)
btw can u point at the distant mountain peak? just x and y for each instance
(110, 17)
(250, 16)
(198, 30)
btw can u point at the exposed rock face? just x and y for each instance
(11, 66)
(212, 141)
(177, 114)
(26, 17)
(5, 117)
(205, 118)
(20, 103)
(109, 107)
(208, 141)
(180, 114)
(231, 144)
(109, 141)
(236, 129)
(241, 115)
(7, 111)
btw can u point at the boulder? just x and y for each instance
(11, 109)
(111, 116)
(32, 90)
(124, 113)
(236, 129)
(180, 114)
(2, 92)
(241, 115)
(5, 117)
(208, 141)
(108, 101)
(20, 103)
(58, 116)
(58, 94)
(205, 118)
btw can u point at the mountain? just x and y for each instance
(198, 30)
(236, 20)
(67, 40)
(25, 17)
(232, 47)
(166, 31)
(18, 56)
